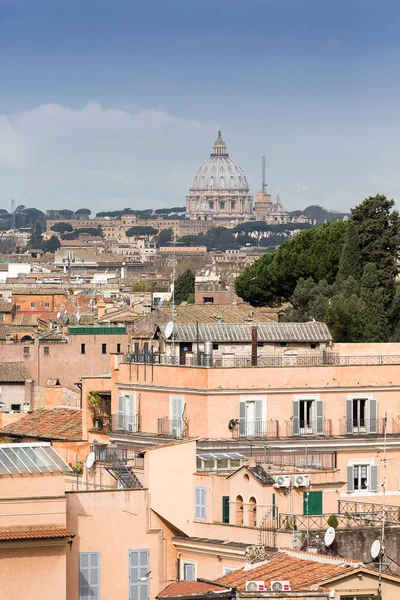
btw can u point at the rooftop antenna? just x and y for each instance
(172, 261)
(263, 183)
(381, 554)
(13, 213)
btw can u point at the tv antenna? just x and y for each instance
(13, 213)
(263, 182)
(172, 261)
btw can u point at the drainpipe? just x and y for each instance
(254, 333)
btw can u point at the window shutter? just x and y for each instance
(139, 567)
(373, 473)
(197, 503)
(349, 417)
(319, 414)
(295, 418)
(176, 415)
(372, 416)
(203, 496)
(350, 478)
(242, 418)
(259, 419)
(121, 411)
(89, 576)
(189, 572)
(130, 400)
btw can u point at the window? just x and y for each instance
(362, 477)
(47, 304)
(15, 408)
(1, 317)
(33, 304)
(222, 205)
(126, 413)
(118, 347)
(251, 417)
(189, 571)
(225, 509)
(361, 415)
(313, 346)
(89, 576)
(176, 409)
(18, 307)
(253, 512)
(26, 350)
(363, 597)
(46, 351)
(104, 348)
(283, 344)
(215, 346)
(139, 577)
(83, 348)
(200, 513)
(233, 204)
(308, 416)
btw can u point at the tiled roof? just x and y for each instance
(25, 319)
(34, 534)
(53, 424)
(6, 307)
(261, 475)
(241, 332)
(229, 313)
(13, 372)
(302, 569)
(192, 588)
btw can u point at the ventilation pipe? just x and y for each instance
(208, 351)
(254, 335)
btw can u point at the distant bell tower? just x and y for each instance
(263, 201)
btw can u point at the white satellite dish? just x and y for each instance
(58, 315)
(329, 536)
(90, 460)
(169, 329)
(78, 317)
(375, 549)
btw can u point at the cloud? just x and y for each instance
(99, 157)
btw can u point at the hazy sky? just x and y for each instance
(113, 103)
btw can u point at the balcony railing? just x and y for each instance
(176, 428)
(126, 423)
(317, 427)
(370, 512)
(256, 429)
(307, 359)
(361, 426)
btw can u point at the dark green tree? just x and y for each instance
(62, 227)
(350, 260)
(36, 236)
(184, 286)
(83, 211)
(51, 245)
(138, 230)
(165, 237)
(375, 317)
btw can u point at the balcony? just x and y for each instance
(125, 423)
(176, 428)
(362, 426)
(318, 427)
(256, 429)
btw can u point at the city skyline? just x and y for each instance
(108, 106)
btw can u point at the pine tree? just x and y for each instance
(184, 286)
(350, 259)
(375, 317)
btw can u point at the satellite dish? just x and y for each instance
(78, 317)
(58, 315)
(329, 536)
(375, 549)
(90, 460)
(169, 329)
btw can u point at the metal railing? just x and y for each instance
(282, 360)
(256, 429)
(176, 428)
(316, 427)
(108, 454)
(370, 512)
(126, 423)
(361, 426)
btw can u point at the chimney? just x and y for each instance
(254, 333)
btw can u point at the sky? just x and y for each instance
(108, 104)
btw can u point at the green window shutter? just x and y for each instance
(374, 484)
(225, 509)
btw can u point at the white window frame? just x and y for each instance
(127, 414)
(254, 398)
(193, 564)
(176, 429)
(363, 462)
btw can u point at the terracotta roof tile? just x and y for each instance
(34, 534)
(302, 569)
(230, 313)
(190, 588)
(54, 424)
(13, 372)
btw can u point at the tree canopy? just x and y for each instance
(141, 230)
(353, 288)
(61, 227)
(184, 287)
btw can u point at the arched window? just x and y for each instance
(253, 512)
(239, 510)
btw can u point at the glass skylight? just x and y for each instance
(30, 458)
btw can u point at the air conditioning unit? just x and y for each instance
(280, 586)
(282, 481)
(301, 480)
(255, 586)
